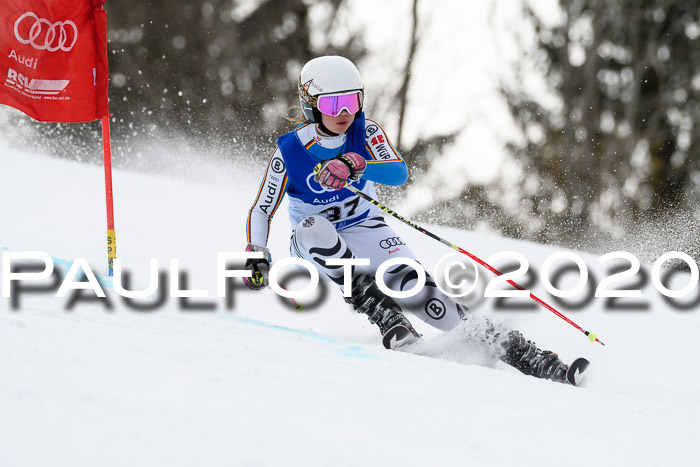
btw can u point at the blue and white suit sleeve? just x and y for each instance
(272, 190)
(386, 167)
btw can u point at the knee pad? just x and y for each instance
(315, 232)
(315, 239)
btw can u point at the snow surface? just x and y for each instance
(263, 385)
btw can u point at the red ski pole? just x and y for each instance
(592, 337)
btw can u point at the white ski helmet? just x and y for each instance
(331, 74)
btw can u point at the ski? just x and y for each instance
(398, 336)
(574, 374)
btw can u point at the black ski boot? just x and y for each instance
(382, 311)
(526, 357)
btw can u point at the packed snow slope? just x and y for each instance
(259, 384)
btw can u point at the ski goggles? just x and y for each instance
(333, 105)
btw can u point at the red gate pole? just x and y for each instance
(111, 238)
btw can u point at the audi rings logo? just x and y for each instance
(42, 34)
(391, 242)
(315, 186)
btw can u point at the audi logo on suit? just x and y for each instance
(391, 242)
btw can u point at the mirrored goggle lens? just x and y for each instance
(333, 105)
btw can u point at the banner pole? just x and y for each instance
(111, 238)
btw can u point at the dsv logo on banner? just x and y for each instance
(391, 242)
(44, 35)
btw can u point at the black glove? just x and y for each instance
(260, 267)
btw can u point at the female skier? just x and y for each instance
(336, 146)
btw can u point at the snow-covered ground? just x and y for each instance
(260, 384)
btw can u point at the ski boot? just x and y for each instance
(526, 357)
(383, 311)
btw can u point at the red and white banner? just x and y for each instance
(53, 59)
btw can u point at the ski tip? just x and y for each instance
(575, 372)
(399, 336)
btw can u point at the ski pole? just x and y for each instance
(592, 337)
(258, 278)
(297, 306)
